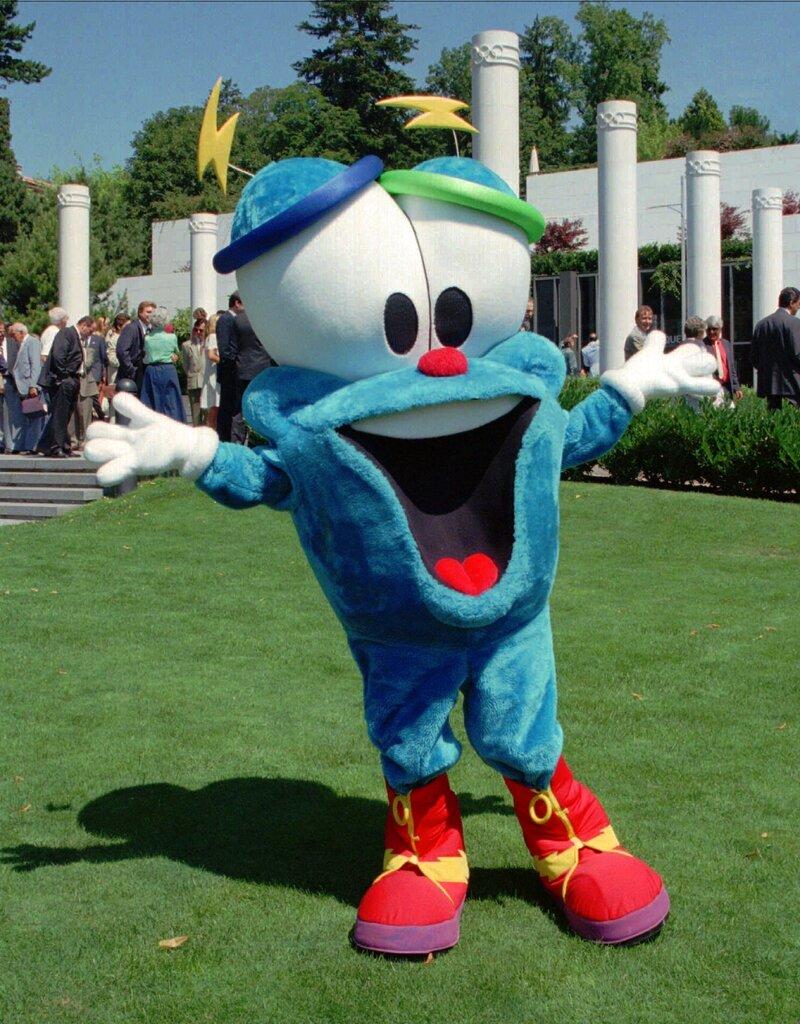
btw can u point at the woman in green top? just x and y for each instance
(160, 388)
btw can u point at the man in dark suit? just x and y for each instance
(775, 352)
(251, 359)
(130, 345)
(61, 377)
(226, 367)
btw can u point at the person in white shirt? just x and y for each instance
(590, 356)
(59, 319)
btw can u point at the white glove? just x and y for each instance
(650, 374)
(151, 444)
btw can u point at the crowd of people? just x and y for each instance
(774, 350)
(51, 388)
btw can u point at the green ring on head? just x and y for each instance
(466, 193)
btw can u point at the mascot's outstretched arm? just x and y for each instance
(596, 424)
(651, 374)
(240, 477)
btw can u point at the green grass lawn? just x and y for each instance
(182, 753)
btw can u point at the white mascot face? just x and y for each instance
(318, 300)
(378, 281)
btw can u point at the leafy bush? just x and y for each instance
(742, 450)
(576, 389)
(660, 444)
(182, 322)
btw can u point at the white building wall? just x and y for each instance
(169, 285)
(791, 250)
(573, 194)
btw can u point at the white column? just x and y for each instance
(202, 276)
(73, 249)
(495, 102)
(767, 251)
(703, 239)
(618, 257)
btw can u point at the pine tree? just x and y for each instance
(702, 119)
(365, 46)
(13, 194)
(550, 73)
(14, 204)
(12, 39)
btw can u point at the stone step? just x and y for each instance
(25, 511)
(58, 495)
(46, 478)
(12, 522)
(15, 463)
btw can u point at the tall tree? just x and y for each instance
(12, 39)
(28, 272)
(451, 74)
(365, 47)
(162, 170)
(621, 60)
(748, 117)
(13, 194)
(702, 119)
(14, 201)
(550, 75)
(295, 121)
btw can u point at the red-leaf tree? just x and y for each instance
(732, 220)
(565, 236)
(791, 202)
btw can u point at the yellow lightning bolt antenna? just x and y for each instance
(214, 145)
(438, 112)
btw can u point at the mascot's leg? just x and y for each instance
(414, 906)
(607, 894)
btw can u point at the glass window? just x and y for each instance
(587, 312)
(742, 295)
(546, 310)
(672, 320)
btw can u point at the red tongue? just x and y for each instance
(475, 574)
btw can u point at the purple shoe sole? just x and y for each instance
(622, 929)
(407, 940)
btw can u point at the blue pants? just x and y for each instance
(32, 430)
(14, 417)
(509, 688)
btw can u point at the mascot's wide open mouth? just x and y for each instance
(457, 493)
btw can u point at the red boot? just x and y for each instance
(414, 906)
(607, 894)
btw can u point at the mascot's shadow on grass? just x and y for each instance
(253, 829)
(415, 437)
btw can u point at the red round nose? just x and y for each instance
(443, 362)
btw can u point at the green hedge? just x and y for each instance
(584, 261)
(746, 450)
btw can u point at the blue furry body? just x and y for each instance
(417, 641)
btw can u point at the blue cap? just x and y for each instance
(466, 169)
(285, 197)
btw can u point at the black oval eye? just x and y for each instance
(400, 323)
(452, 317)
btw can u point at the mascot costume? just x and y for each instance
(416, 439)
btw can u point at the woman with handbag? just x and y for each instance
(25, 377)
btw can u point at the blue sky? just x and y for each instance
(114, 64)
